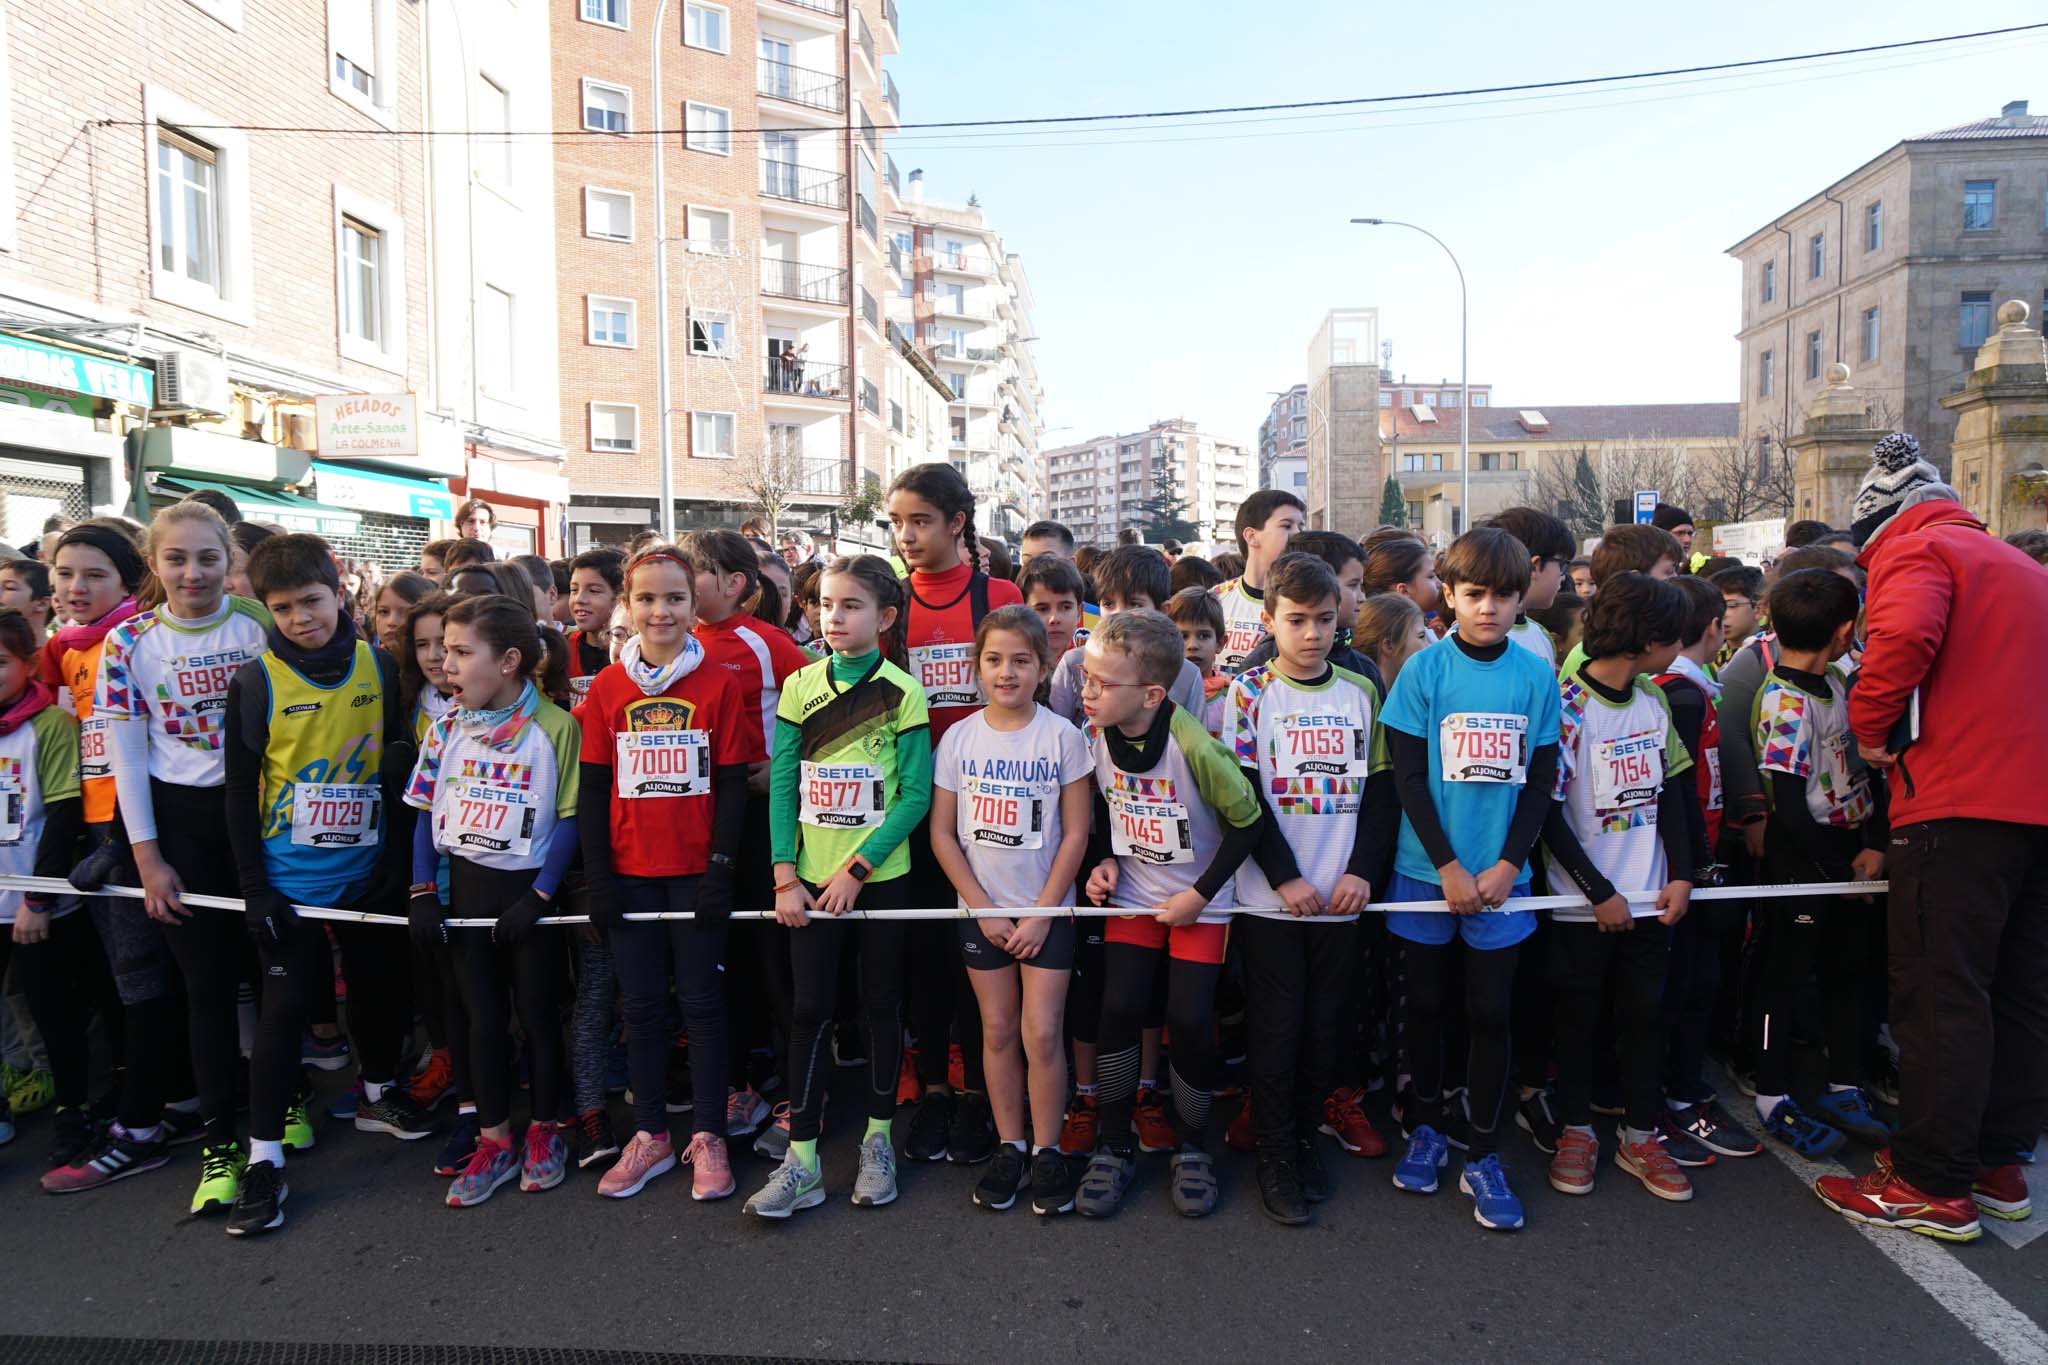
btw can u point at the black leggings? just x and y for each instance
(814, 955)
(941, 1004)
(1803, 938)
(1584, 963)
(1692, 987)
(57, 978)
(1489, 998)
(148, 1034)
(1298, 978)
(212, 947)
(642, 954)
(494, 978)
(1127, 990)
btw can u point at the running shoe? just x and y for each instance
(849, 1046)
(1537, 1117)
(1344, 1119)
(710, 1167)
(546, 1160)
(1884, 1078)
(1191, 1185)
(460, 1147)
(1648, 1162)
(1308, 1164)
(394, 1114)
(1103, 1184)
(971, 1137)
(259, 1204)
(2002, 1192)
(434, 1082)
(1155, 1130)
(1682, 1147)
(1453, 1126)
(489, 1166)
(181, 1126)
(28, 1091)
(344, 1105)
(1240, 1136)
(645, 1158)
(1003, 1180)
(595, 1139)
(1052, 1183)
(956, 1068)
(1883, 1198)
(324, 1054)
(1576, 1163)
(1708, 1124)
(745, 1111)
(875, 1183)
(773, 1141)
(908, 1088)
(72, 1138)
(298, 1129)
(1848, 1111)
(1493, 1204)
(1808, 1136)
(220, 1177)
(118, 1155)
(930, 1126)
(6, 1124)
(1427, 1154)
(1077, 1134)
(791, 1187)
(1280, 1195)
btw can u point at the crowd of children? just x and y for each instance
(1258, 772)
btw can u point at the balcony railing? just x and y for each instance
(800, 85)
(798, 280)
(802, 380)
(889, 174)
(889, 16)
(867, 41)
(889, 95)
(868, 224)
(832, 7)
(824, 478)
(895, 415)
(803, 184)
(869, 309)
(898, 262)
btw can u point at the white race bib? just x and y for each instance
(1484, 746)
(334, 814)
(946, 673)
(1712, 754)
(840, 796)
(95, 751)
(1003, 814)
(1150, 831)
(1314, 744)
(1628, 772)
(484, 817)
(663, 763)
(579, 688)
(13, 805)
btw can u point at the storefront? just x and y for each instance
(398, 514)
(259, 476)
(62, 415)
(525, 493)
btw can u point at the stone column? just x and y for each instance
(2001, 439)
(1831, 453)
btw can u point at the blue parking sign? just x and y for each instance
(1646, 505)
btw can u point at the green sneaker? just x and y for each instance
(28, 1091)
(298, 1129)
(220, 1177)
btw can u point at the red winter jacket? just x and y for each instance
(1963, 617)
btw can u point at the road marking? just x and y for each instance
(2017, 1235)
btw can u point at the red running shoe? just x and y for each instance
(1077, 1135)
(908, 1091)
(1239, 1136)
(2002, 1192)
(433, 1082)
(1155, 1133)
(1884, 1198)
(1345, 1121)
(956, 1068)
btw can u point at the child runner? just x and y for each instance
(1052, 587)
(1010, 812)
(497, 777)
(594, 583)
(1266, 521)
(1402, 562)
(1390, 632)
(1200, 618)
(1473, 725)
(667, 746)
(852, 765)
(1346, 559)
(394, 600)
(1174, 820)
(1307, 735)
(1550, 546)
(25, 586)
(1742, 593)
(1130, 577)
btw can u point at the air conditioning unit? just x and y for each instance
(193, 381)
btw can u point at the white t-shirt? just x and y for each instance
(1242, 626)
(175, 674)
(1531, 636)
(1612, 762)
(1009, 784)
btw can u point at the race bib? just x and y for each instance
(1712, 754)
(1319, 745)
(334, 814)
(1627, 772)
(1240, 638)
(483, 817)
(1003, 814)
(13, 804)
(1847, 800)
(1150, 831)
(95, 753)
(664, 763)
(579, 688)
(946, 673)
(841, 796)
(1484, 746)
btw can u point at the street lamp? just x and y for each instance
(667, 514)
(1464, 386)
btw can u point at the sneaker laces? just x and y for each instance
(1345, 1108)
(480, 1160)
(1489, 1177)
(217, 1163)
(538, 1149)
(589, 1124)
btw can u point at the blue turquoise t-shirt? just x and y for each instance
(1482, 719)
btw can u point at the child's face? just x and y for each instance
(305, 615)
(1302, 633)
(1061, 613)
(809, 607)
(1113, 695)
(17, 592)
(388, 618)
(431, 566)
(620, 631)
(192, 564)
(1484, 615)
(1111, 604)
(14, 675)
(478, 676)
(849, 617)
(238, 583)
(1424, 588)
(1546, 576)
(429, 650)
(1582, 580)
(1010, 670)
(1267, 543)
(660, 605)
(1200, 642)
(1031, 547)
(1350, 591)
(1738, 616)
(591, 600)
(86, 584)
(1665, 567)
(926, 538)
(1396, 653)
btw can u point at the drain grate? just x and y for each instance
(140, 1351)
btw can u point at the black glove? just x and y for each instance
(516, 920)
(714, 895)
(97, 868)
(429, 919)
(607, 911)
(270, 917)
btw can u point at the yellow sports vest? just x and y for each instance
(323, 742)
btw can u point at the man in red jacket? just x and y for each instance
(1957, 623)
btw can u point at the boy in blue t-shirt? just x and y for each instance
(1473, 727)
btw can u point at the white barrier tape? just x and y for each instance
(58, 887)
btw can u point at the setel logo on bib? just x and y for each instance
(841, 795)
(1314, 745)
(946, 673)
(1484, 746)
(334, 814)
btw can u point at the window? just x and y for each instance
(362, 54)
(1817, 256)
(1415, 515)
(711, 435)
(1386, 398)
(495, 319)
(369, 254)
(1426, 398)
(611, 13)
(607, 108)
(708, 27)
(1871, 334)
(1449, 399)
(707, 128)
(1770, 280)
(870, 397)
(1411, 464)
(1974, 324)
(188, 209)
(1873, 225)
(1436, 462)
(1980, 205)
(611, 321)
(493, 157)
(1501, 461)
(614, 426)
(608, 215)
(709, 230)
(1478, 400)
(362, 292)
(710, 333)
(1766, 374)
(1813, 355)
(198, 205)
(957, 383)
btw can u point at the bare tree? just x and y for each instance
(772, 477)
(1746, 477)
(1581, 487)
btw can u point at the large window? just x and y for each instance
(707, 128)
(708, 230)
(711, 435)
(607, 108)
(362, 54)
(1873, 225)
(611, 321)
(493, 151)
(362, 282)
(198, 208)
(608, 214)
(1872, 335)
(369, 253)
(708, 27)
(1980, 205)
(1973, 323)
(1766, 374)
(188, 209)
(614, 426)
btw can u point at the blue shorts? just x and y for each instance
(1486, 930)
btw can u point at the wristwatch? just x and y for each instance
(720, 860)
(860, 868)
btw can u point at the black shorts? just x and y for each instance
(1056, 954)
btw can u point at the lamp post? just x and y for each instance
(1464, 386)
(666, 517)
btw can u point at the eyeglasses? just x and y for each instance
(1091, 683)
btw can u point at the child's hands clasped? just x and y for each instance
(1027, 936)
(1497, 883)
(1350, 895)
(1461, 892)
(1299, 897)
(1102, 881)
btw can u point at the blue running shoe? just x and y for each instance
(1849, 1112)
(343, 1106)
(2025, 1156)
(1428, 1151)
(1493, 1204)
(1804, 1134)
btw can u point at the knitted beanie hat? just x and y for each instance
(1898, 478)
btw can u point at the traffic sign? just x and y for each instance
(1646, 505)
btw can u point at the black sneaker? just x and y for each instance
(971, 1137)
(74, 1135)
(1280, 1193)
(595, 1140)
(461, 1145)
(1709, 1125)
(1002, 1180)
(1535, 1117)
(1309, 1167)
(394, 1114)
(1052, 1183)
(182, 1126)
(1682, 1147)
(260, 1205)
(929, 1128)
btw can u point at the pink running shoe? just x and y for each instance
(646, 1157)
(710, 1170)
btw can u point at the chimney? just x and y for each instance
(917, 186)
(2017, 109)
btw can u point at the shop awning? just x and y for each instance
(369, 490)
(288, 510)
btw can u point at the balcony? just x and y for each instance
(800, 380)
(898, 262)
(868, 223)
(870, 310)
(867, 41)
(889, 16)
(800, 85)
(890, 97)
(803, 184)
(808, 283)
(821, 478)
(889, 174)
(835, 8)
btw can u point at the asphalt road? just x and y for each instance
(1754, 1266)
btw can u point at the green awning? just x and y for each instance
(288, 510)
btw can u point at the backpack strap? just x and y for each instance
(977, 598)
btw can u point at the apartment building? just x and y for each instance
(1100, 486)
(770, 222)
(1343, 467)
(1283, 442)
(965, 301)
(1895, 270)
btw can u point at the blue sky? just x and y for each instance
(1187, 277)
